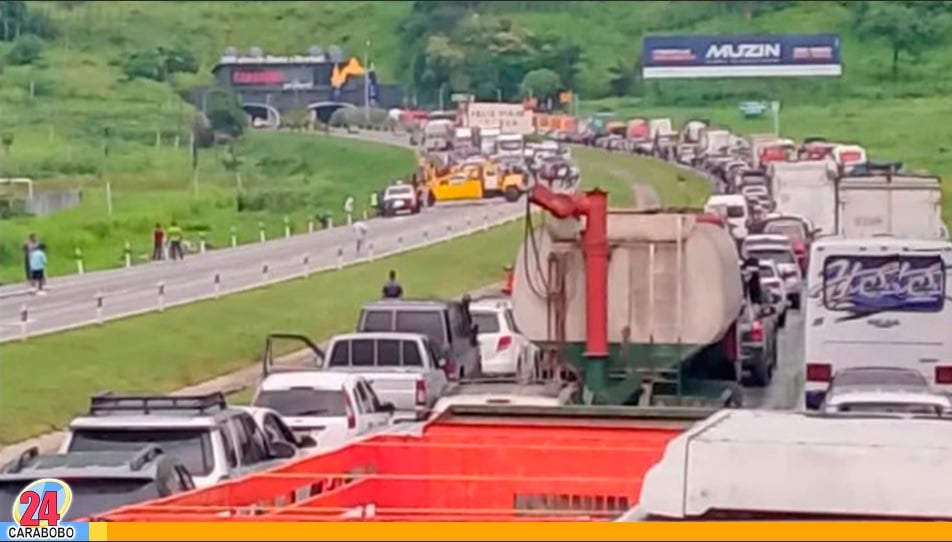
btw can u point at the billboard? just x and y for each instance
(780, 55)
(510, 118)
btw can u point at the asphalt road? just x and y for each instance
(73, 300)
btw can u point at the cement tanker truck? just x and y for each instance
(641, 307)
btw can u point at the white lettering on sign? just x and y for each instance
(730, 51)
(852, 283)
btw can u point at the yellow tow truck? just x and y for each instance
(472, 180)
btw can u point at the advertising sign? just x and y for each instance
(781, 55)
(884, 283)
(510, 118)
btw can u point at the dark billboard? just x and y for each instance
(786, 55)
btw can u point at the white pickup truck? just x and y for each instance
(402, 368)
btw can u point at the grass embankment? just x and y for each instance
(183, 346)
(283, 175)
(908, 130)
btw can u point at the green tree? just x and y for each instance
(224, 112)
(16, 19)
(27, 49)
(907, 27)
(542, 83)
(621, 79)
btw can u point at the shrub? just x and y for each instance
(27, 49)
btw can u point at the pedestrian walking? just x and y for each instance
(38, 269)
(175, 241)
(360, 235)
(28, 246)
(392, 289)
(158, 243)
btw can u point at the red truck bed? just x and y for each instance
(471, 464)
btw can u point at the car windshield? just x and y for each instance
(90, 495)
(191, 446)
(898, 408)
(779, 256)
(488, 322)
(736, 211)
(429, 323)
(793, 230)
(400, 191)
(304, 402)
(880, 377)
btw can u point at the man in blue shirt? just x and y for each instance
(38, 268)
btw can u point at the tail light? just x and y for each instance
(756, 331)
(351, 415)
(821, 372)
(504, 342)
(420, 393)
(943, 374)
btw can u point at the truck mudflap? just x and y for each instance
(473, 463)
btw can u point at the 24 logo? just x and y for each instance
(42, 503)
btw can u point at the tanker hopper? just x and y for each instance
(642, 307)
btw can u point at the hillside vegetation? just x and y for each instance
(91, 92)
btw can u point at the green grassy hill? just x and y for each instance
(54, 107)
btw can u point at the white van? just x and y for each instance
(877, 301)
(733, 207)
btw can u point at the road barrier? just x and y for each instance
(270, 273)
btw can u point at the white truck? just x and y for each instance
(805, 189)
(877, 301)
(438, 135)
(487, 140)
(754, 465)
(464, 138)
(511, 146)
(901, 204)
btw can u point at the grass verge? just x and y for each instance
(281, 175)
(167, 351)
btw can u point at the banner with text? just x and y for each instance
(782, 55)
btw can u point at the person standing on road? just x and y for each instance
(158, 242)
(360, 235)
(28, 247)
(392, 289)
(175, 241)
(38, 269)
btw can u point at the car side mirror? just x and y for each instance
(389, 408)
(307, 441)
(282, 450)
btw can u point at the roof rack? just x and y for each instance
(106, 403)
(21, 462)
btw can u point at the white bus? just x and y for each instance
(877, 301)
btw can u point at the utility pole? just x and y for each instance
(367, 84)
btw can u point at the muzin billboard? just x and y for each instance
(783, 55)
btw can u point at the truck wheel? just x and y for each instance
(511, 194)
(761, 373)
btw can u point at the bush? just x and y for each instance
(27, 49)
(224, 112)
(160, 64)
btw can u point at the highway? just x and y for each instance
(74, 300)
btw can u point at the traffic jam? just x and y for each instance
(607, 379)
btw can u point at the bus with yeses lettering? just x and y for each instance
(877, 301)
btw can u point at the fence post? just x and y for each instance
(161, 287)
(216, 284)
(80, 266)
(486, 221)
(310, 225)
(24, 318)
(340, 257)
(265, 271)
(370, 251)
(99, 302)
(127, 254)
(261, 235)
(307, 265)
(234, 237)
(287, 226)
(202, 243)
